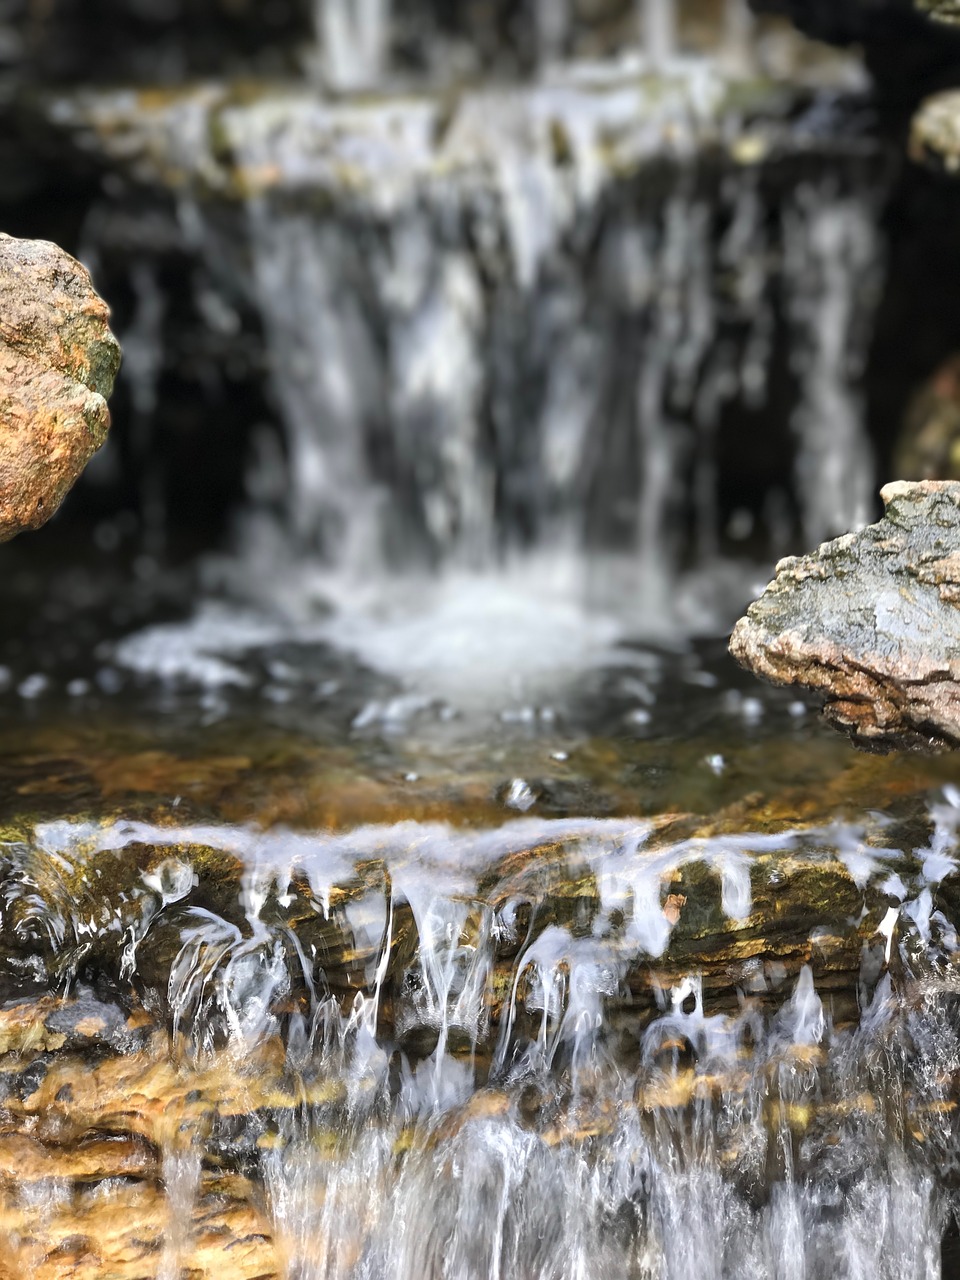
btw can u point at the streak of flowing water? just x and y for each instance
(353, 38)
(658, 31)
(832, 259)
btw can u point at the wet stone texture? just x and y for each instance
(935, 132)
(871, 621)
(58, 362)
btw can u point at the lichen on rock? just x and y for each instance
(871, 621)
(58, 362)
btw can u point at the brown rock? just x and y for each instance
(58, 362)
(871, 621)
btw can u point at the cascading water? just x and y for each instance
(539, 321)
(476, 1054)
(658, 31)
(832, 261)
(398, 338)
(334, 1011)
(353, 38)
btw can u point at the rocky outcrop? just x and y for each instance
(935, 132)
(871, 621)
(58, 362)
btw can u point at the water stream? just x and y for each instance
(414, 891)
(537, 1049)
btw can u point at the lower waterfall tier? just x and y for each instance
(475, 1046)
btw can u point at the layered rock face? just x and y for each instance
(58, 362)
(871, 621)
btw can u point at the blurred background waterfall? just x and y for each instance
(581, 295)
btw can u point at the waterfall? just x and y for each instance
(443, 404)
(530, 319)
(737, 51)
(832, 259)
(467, 1053)
(658, 31)
(524, 324)
(353, 36)
(553, 22)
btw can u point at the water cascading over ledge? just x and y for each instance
(288, 988)
(415, 1051)
(540, 318)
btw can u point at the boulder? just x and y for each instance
(935, 132)
(871, 621)
(58, 362)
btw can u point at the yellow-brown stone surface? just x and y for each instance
(58, 362)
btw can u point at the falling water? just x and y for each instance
(658, 31)
(468, 1054)
(553, 21)
(832, 258)
(353, 37)
(737, 50)
(542, 321)
(454, 366)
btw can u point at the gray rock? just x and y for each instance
(871, 620)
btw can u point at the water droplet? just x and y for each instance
(33, 686)
(520, 796)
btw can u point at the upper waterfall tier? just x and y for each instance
(605, 121)
(542, 316)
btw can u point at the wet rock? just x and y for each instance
(871, 621)
(58, 362)
(935, 132)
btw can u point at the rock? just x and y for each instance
(943, 10)
(58, 362)
(871, 621)
(935, 132)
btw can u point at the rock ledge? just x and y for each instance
(871, 620)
